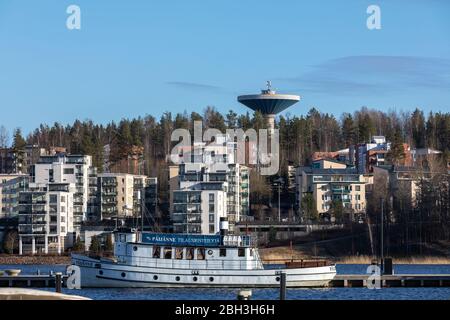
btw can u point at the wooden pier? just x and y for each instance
(30, 281)
(396, 280)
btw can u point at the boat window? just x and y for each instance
(223, 252)
(241, 252)
(179, 253)
(156, 252)
(201, 254)
(190, 253)
(167, 253)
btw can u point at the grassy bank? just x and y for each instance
(37, 259)
(276, 254)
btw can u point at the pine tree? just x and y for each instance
(366, 128)
(78, 246)
(19, 145)
(418, 128)
(397, 152)
(96, 246)
(348, 130)
(231, 119)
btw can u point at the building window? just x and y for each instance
(357, 188)
(211, 218)
(211, 208)
(63, 229)
(211, 197)
(53, 198)
(63, 199)
(68, 171)
(211, 228)
(63, 219)
(63, 209)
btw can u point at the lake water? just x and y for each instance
(295, 294)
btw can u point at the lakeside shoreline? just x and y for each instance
(65, 259)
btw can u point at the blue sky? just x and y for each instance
(134, 58)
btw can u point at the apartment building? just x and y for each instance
(63, 168)
(210, 174)
(122, 195)
(329, 181)
(199, 211)
(46, 218)
(10, 186)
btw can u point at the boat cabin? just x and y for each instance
(186, 251)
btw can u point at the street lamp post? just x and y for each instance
(278, 182)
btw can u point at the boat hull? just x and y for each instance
(101, 274)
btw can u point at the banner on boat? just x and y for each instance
(165, 239)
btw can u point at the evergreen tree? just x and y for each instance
(366, 128)
(78, 246)
(397, 152)
(19, 144)
(231, 119)
(96, 246)
(418, 128)
(348, 130)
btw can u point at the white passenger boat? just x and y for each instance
(146, 259)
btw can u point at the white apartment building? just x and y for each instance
(75, 169)
(209, 175)
(46, 218)
(199, 211)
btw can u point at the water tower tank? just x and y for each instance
(269, 103)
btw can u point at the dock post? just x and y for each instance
(283, 286)
(58, 282)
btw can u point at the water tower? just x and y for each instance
(269, 103)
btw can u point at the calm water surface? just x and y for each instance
(296, 294)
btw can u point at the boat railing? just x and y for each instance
(196, 264)
(299, 263)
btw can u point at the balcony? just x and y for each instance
(340, 190)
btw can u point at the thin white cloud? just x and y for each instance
(375, 74)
